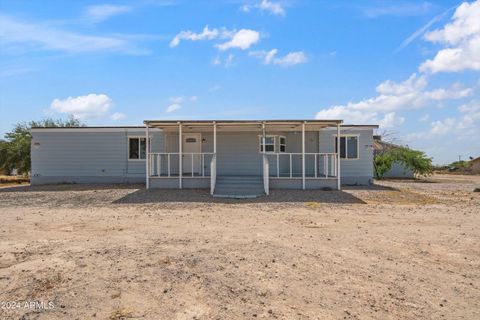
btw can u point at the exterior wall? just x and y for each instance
(84, 156)
(399, 171)
(77, 156)
(352, 171)
(475, 166)
(171, 145)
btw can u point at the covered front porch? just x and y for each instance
(229, 156)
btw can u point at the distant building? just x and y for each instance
(398, 170)
(475, 165)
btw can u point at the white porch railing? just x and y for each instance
(162, 165)
(324, 165)
(266, 170)
(213, 173)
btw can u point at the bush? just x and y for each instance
(415, 160)
(460, 165)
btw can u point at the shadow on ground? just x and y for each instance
(142, 196)
(137, 194)
(69, 187)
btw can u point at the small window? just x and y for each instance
(190, 140)
(352, 147)
(348, 147)
(283, 144)
(137, 148)
(269, 144)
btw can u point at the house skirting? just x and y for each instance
(173, 183)
(296, 183)
(40, 180)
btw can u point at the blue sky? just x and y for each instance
(410, 66)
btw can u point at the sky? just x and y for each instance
(412, 67)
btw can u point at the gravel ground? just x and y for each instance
(396, 250)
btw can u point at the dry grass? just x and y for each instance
(9, 181)
(400, 196)
(121, 313)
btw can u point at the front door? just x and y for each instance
(192, 147)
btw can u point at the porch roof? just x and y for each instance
(242, 125)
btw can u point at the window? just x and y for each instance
(283, 144)
(190, 140)
(269, 144)
(348, 147)
(137, 148)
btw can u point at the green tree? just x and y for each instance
(382, 163)
(415, 160)
(15, 148)
(460, 164)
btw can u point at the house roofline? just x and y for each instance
(142, 128)
(272, 121)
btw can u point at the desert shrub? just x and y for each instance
(415, 160)
(382, 163)
(460, 165)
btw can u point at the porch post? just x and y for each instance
(263, 136)
(338, 157)
(147, 160)
(303, 156)
(180, 155)
(214, 137)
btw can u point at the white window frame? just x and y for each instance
(346, 148)
(261, 143)
(128, 148)
(280, 144)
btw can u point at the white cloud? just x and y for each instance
(272, 7)
(117, 116)
(464, 126)
(176, 103)
(217, 61)
(461, 39)
(242, 39)
(38, 35)
(466, 23)
(291, 59)
(227, 62)
(390, 120)
(101, 12)
(407, 95)
(83, 107)
(206, 34)
(419, 32)
(173, 107)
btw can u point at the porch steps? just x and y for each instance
(239, 187)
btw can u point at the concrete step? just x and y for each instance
(239, 183)
(239, 187)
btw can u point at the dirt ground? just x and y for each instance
(397, 250)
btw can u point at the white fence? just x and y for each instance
(167, 164)
(289, 165)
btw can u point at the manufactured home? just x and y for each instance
(232, 158)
